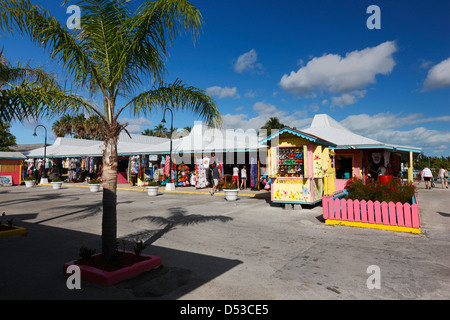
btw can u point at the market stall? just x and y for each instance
(300, 167)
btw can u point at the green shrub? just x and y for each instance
(95, 181)
(391, 191)
(139, 247)
(153, 183)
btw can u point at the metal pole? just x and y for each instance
(45, 146)
(170, 151)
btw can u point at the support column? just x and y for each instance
(410, 167)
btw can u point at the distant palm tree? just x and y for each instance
(58, 129)
(147, 132)
(94, 127)
(114, 53)
(161, 131)
(273, 123)
(78, 127)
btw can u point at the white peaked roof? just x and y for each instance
(329, 129)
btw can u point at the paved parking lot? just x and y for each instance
(218, 250)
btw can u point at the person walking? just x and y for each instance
(443, 176)
(243, 178)
(215, 176)
(427, 175)
(236, 176)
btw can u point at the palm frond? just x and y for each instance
(47, 32)
(29, 101)
(177, 96)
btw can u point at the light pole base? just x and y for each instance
(170, 186)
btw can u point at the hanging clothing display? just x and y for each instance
(254, 175)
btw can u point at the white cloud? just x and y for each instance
(250, 94)
(386, 127)
(224, 92)
(248, 62)
(337, 74)
(439, 76)
(135, 124)
(347, 98)
(264, 112)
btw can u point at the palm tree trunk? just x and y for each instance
(109, 178)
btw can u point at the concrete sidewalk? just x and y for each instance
(214, 249)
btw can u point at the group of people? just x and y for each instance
(427, 176)
(235, 178)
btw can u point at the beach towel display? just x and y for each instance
(167, 166)
(200, 171)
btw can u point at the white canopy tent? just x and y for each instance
(201, 139)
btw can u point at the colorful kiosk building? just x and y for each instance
(11, 168)
(306, 165)
(300, 167)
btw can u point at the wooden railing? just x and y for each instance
(389, 216)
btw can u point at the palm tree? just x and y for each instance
(161, 131)
(58, 129)
(116, 51)
(273, 123)
(93, 127)
(147, 132)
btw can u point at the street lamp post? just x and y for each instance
(171, 185)
(44, 176)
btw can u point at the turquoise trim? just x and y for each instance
(377, 146)
(298, 134)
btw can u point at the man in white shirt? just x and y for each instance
(426, 176)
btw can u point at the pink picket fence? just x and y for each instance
(394, 214)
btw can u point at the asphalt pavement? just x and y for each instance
(212, 249)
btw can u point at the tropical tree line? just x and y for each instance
(161, 131)
(434, 163)
(78, 126)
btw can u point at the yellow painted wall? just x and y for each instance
(302, 189)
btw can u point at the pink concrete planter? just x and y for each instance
(107, 278)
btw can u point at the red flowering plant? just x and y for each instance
(390, 191)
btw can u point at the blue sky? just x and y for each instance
(294, 59)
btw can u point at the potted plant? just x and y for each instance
(9, 229)
(57, 183)
(152, 188)
(29, 182)
(94, 185)
(231, 191)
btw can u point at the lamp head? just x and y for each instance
(163, 120)
(34, 134)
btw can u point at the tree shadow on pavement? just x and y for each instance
(177, 217)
